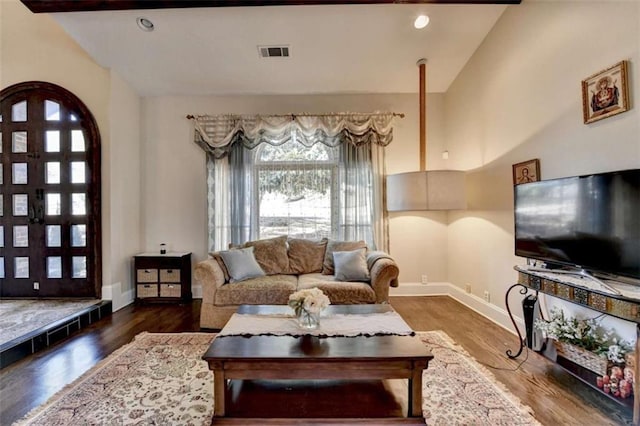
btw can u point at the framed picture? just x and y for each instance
(527, 171)
(605, 93)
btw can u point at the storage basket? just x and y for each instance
(147, 290)
(582, 357)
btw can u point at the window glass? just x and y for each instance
(21, 267)
(295, 189)
(53, 172)
(19, 142)
(77, 141)
(52, 204)
(51, 110)
(78, 172)
(54, 267)
(54, 236)
(19, 175)
(19, 111)
(52, 141)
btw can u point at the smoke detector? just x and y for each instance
(273, 51)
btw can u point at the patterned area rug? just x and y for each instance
(20, 317)
(160, 379)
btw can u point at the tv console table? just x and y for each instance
(617, 305)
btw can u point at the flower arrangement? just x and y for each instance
(307, 305)
(587, 334)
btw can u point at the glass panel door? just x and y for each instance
(49, 196)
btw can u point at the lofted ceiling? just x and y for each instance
(347, 48)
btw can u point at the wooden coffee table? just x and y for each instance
(309, 358)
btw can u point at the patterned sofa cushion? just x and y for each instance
(339, 292)
(267, 290)
(271, 254)
(306, 256)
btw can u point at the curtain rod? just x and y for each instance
(395, 114)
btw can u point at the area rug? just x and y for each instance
(160, 379)
(20, 317)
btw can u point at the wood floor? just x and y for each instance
(556, 397)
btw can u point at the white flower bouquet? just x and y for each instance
(587, 334)
(307, 305)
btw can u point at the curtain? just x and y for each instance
(357, 142)
(217, 134)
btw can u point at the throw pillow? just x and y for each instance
(306, 256)
(271, 254)
(351, 265)
(333, 245)
(241, 264)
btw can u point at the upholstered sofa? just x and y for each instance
(288, 265)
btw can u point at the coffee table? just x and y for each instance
(305, 358)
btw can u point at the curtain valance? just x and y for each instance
(216, 134)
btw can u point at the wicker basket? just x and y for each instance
(582, 357)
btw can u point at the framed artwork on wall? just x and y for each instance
(605, 93)
(527, 171)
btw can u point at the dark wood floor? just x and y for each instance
(556, 397)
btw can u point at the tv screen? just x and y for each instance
(591, 222)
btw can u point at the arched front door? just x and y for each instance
(50, 243)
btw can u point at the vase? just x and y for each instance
(308, 320)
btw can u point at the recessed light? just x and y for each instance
(421, 21)
(144, 24)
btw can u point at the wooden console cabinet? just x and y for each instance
(162, 277)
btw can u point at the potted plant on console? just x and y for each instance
(586, 343)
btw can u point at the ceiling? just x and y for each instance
(370, 48)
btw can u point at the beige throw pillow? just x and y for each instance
(271, 254)
(333, 245)
(306, 256)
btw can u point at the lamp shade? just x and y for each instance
(427, 190)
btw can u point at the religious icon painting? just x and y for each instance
(527, 171)
(605, 93)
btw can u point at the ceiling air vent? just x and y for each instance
(273, 51)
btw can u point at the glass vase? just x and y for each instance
(308, 320)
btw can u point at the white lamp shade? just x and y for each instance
(432, 190)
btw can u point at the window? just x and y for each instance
(302, 176)
(296, 190)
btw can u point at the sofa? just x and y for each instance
(267, 272)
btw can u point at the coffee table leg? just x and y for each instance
(415, 393)
(219, 389)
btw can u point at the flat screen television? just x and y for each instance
(589, 222)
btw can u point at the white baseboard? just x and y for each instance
(196, 291)
(119, 299)
(487, 310)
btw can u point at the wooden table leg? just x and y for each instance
(415, 392)
(219, 391)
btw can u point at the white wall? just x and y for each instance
(519, 97)
(35, 47)
(121, 169)
(174, 198)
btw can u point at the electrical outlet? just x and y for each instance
(36, 285)
(486, 296)
(424, 279)
(467, 288)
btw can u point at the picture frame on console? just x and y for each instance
(605, 93)
(527, 171)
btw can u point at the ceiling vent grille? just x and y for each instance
(273, 51)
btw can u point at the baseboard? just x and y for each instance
(196, 291)
(119, 299)
(487, 310)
